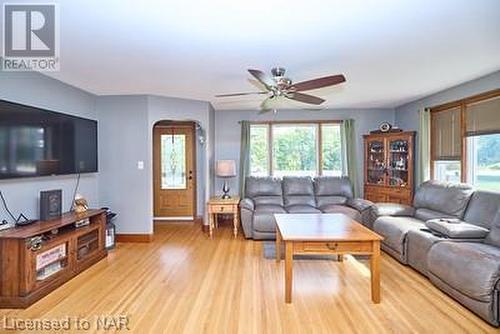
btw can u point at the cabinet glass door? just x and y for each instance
(398, 163)
(376, 162)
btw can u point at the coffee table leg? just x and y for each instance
(375, 272)
(288, 271)
(278, 245)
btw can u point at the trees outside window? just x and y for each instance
(307, 149)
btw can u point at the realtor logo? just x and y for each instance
(30, 41)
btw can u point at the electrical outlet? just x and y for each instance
(140, 164)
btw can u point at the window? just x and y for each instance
(295, 150)
(173, 161)
(465, 141)
(484, 162)
(331, 150)
(308, 149)
(447, 171)
(259, 150)
(446, 145)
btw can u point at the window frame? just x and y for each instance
(465, 154)
(319, 138)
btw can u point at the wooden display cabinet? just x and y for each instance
(36, 259)
(389, 167)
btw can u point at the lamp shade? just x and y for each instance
(225, 168)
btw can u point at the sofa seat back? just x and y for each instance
(331, 190)
(264, 190)
(482, 209)
(441, 200)
(298, 191)
(493, 238)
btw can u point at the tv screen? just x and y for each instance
(38, 142)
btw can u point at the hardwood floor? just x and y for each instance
(183, 282)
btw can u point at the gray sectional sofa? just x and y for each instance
(452, 236)
(265, 196)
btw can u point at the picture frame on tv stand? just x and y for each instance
(50, 204)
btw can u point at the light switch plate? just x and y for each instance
(140, 164)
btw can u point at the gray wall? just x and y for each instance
(41, 91)
(123, 141)
(228, 130)
(126, 137)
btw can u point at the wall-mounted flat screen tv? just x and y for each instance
(39, 142)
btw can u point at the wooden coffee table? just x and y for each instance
(333, 233)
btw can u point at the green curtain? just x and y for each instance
(424, 147)
(244, 155)
(348, 146)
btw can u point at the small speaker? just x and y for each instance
(50, 204)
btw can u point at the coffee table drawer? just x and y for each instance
(333, 247)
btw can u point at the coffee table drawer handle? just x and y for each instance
(221, 208)
(332, 246)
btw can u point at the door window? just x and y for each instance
(173, 161)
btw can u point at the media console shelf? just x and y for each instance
(38, 258)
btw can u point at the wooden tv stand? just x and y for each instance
(28, 273)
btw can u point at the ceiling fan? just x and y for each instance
(278, 85)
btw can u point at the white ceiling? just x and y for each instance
(390, 51)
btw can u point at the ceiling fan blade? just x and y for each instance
(305, 98)
(240, 94)
(319, 83)
(264, 106)
(263, 78)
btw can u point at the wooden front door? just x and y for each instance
(174, 170)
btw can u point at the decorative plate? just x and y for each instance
(385, 127)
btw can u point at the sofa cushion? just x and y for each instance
(269, 208)
(418, 244)
(448, 198)
(426, 214)
(263, 218)
(298, 191)
(394, 230)
(470, 267)
(456, 229)
(332, 190)
(482, 208)
(301, 209)
(493, 238)
(393, 209)
(354, 214)
(264, 190)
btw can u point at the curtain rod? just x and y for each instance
(296, 122)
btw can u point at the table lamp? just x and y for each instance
(225, 169)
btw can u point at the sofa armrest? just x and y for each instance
(359, 204)
(393, 209)
(247, 203)
(247, 207)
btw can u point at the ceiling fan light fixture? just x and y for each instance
(278, 72)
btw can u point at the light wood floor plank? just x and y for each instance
(184, 282)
